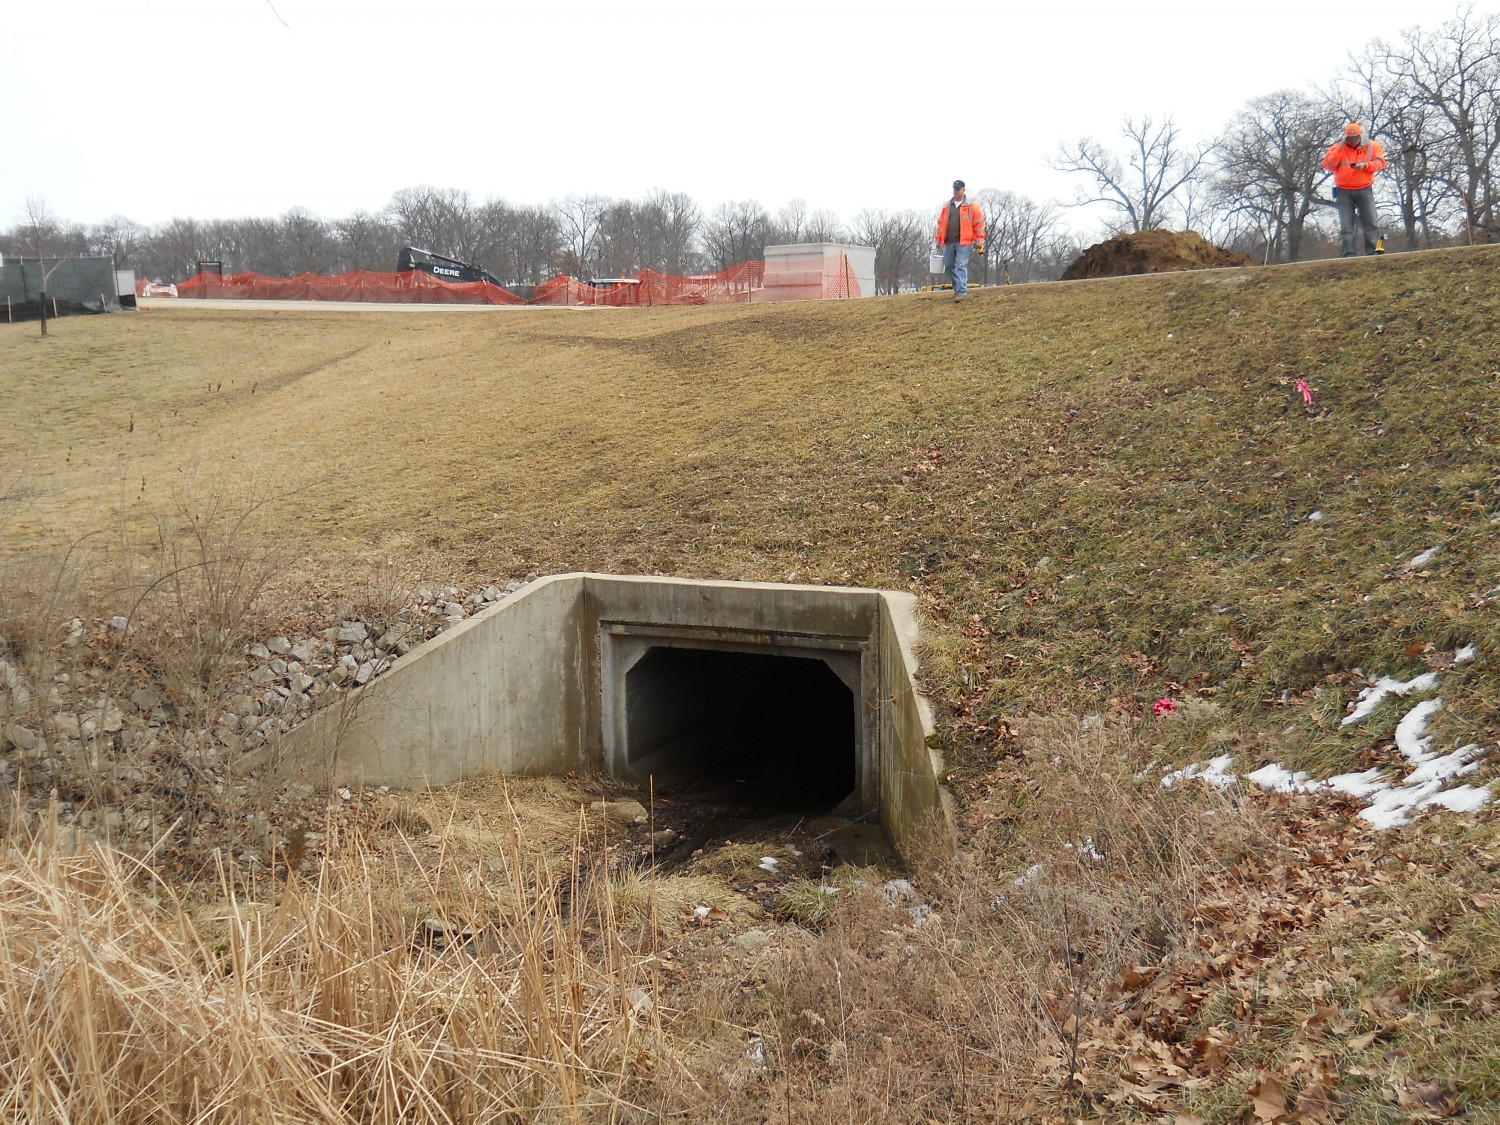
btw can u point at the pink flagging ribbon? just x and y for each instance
(1307, 395)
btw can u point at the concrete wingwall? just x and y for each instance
(535, 685)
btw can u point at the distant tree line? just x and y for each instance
(1432, 98)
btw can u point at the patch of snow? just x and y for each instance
(1216, 773)
(1425, 557)
(701, 911)
(1411, 729)
(1463, 798)
(1031, 873)
(898, 891)
(1282, 780)
(1461, 761)
(1087, 849)
(769, 863)
(1315, 517)
(1373, 696)
(1465, 655)
(1360, 785)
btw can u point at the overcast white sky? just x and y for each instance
(232, 108)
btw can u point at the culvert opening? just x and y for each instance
(764, 732)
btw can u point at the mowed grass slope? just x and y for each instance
(1102, 491)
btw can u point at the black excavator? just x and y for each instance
(440, 265)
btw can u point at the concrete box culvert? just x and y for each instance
(803, 693)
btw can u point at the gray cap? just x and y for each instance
(957, 184)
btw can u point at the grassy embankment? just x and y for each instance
(1101, 494)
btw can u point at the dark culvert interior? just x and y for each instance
(758, 734)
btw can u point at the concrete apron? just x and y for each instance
(802, 687)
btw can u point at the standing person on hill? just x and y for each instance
(960, 229)
(1354, 165)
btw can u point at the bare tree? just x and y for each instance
(120, 239)
(1017, 231)
(366, 242)
(579, 217)
(1271, 165)
(535, 245)
(1455, 72)
(825, 226)
(900, 240)
(789, 227)
(1141, 187)
(676, 221)
(42, 233)
(439, 219)
(736, 232)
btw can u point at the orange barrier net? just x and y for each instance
(412, 287)
(415, 287)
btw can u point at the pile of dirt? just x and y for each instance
(1153, 251)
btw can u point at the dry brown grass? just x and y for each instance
(330, 1000)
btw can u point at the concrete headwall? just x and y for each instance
(534, 685)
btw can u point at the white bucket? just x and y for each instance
(935, 262)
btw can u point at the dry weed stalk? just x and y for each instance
(338, 999)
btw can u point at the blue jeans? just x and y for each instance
(1361, 202)
(956, 266)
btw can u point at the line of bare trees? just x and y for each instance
(1432, 98)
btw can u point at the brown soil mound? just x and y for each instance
(1153, 251)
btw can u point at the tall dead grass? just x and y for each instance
(504, 995)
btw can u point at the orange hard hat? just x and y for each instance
(1352, 129)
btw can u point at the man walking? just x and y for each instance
(1354, 165)
(960, 230)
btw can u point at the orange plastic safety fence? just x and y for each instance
(412, 287)
(841, 282)
(646, 288)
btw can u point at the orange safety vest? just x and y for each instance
(1341, 159)
(970, 224)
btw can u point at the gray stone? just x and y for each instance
(339, 674)
(492, 593)
(279, 645)
(119, 624)
(751, 941)
(623, 811)
(146, 699)
(303, 652)
(19, 737)
(278, 667)
(353, 632)
(392, 637)
(302, 682)
(258, 652)
(364, 672)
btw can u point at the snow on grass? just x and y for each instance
(1387, 804)
(1385, 687)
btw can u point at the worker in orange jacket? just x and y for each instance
(1354, 165)
(960, 231)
